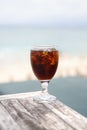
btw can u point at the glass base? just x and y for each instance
(44, 97)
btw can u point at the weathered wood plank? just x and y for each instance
(6, 121)
(69, 116)
(20, 115)
(26, 114)
(32, 118)
(19, 95)
(44, 115)
(57, 110)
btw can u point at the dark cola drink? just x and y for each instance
(44, 63)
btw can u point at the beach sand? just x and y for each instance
(18, 68)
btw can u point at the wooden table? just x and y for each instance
(20, 112)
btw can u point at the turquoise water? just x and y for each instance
(71, 91)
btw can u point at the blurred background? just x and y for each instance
(24, 23)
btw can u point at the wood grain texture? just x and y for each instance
(6, 121)
(20, 112)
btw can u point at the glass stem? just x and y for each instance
(44, 85)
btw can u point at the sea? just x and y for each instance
(15, 44)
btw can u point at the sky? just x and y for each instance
(43, 12)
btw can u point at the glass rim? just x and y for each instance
(40, 47)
